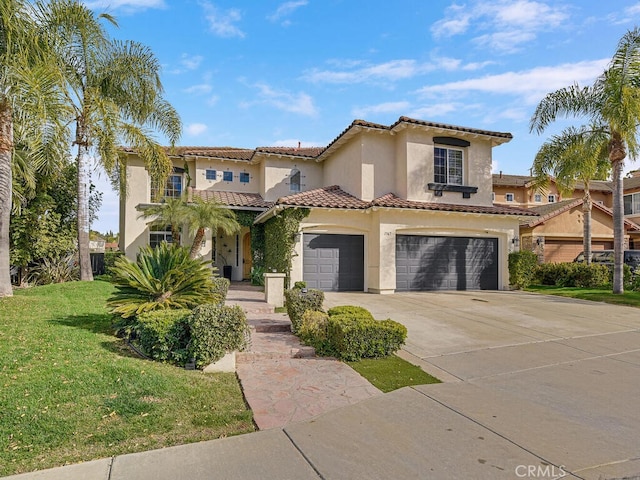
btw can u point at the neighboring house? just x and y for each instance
(557, 234)
(392, 208)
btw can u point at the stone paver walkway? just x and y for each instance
(283, 382)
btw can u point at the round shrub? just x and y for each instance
(297, 302)
(164, 335)
(215, 330)
(220, 289)
(313, 331)
(522, 267)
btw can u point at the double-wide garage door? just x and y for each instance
(446, 263)
(333, 262)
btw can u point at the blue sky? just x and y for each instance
(247, 73)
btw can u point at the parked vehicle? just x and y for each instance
(631, 258)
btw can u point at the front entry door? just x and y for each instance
(247, 261)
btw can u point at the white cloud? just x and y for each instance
(222, 23)
(299, 103)
(190, 62)
(504, 25)
(628, 15)
(382, 108)
(195, 129)
(126, 5)
(530, 85)
(213, 100)
(358, 72)
(285, 9)
(200, 89)
(435, 110)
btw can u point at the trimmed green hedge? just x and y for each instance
(220, 289)
(573, 274)
(522, 268)
(298, 302)
(215, 330)
(349, 310)
(164, 335)
(354, 337)
(313, 332)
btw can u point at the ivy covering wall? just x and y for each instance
(279, 240)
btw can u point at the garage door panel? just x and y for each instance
(446, 263)
(333, 262)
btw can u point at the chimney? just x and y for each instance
(299, 143)
(500, 173)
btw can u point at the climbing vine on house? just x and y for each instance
(279, 237)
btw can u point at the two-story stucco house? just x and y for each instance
(392, 208)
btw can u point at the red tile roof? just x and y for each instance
(234, 199)
(326, 197)
(335, 197)
(391, 201)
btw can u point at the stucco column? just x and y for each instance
(274, 289)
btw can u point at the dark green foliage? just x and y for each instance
(313, 332)
(57, 269)
(257, 276)
(350, 310)
(353, 337)
(280, 234)
(522, 266)
(257, 252)
(215, 330)
(573, 274)
(164, 335)
(110, 260)
(162, 278)
(298, 302)
(300, 285)
(220, 289)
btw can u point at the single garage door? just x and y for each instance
(446, 263)
(560, 250)
(333, 262)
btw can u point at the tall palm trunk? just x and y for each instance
(6, 149)
(617, 153)
(586, 213)
(197, 243)
(82, 162)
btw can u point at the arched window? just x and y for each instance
(294, 181)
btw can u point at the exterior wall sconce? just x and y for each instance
(515, 241)
(539, 241)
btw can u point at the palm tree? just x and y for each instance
(208, 214)
(576, 154)
(172, 212)
(115, 93)
(31, 114)
(613, 104)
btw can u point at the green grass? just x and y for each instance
(392, 372)
(629, 298)
(70, 391)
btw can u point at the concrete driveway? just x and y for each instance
(558, 377)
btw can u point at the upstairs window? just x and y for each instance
(294, 181)
(210, 174)
(508, 197)
(632, 204)
(448, 166)
(172, 189)
(244, 177)
(227, 176)
(537, 198)
(551, 198)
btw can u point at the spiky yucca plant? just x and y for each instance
(162, 278)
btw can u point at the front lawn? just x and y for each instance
(391, 373)
(629, 298)
(70, 391)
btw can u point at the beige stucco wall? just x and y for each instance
(570, 225)
(380, 228)
(276, 172)
(200, 182)
(378, 165)
(344, 168)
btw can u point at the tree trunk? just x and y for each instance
(197, 242)
(6, 150)
(586, 213)
(616, 156)
(84, 257)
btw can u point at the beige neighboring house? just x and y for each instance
(398, 207)
(556, 235)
